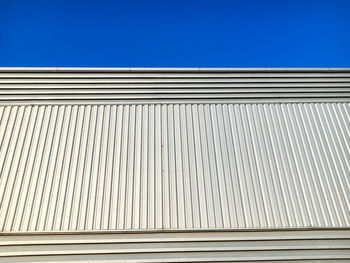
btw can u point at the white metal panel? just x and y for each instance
(290, 246)
(174, 166)
(48, 85)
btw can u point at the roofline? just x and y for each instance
(140, 69)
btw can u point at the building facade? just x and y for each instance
(174, 165)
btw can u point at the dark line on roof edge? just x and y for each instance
(140, 69)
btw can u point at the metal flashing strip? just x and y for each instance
(140, 69)
(83, 84)
(318, 230)
(174, 101)
(320, 246)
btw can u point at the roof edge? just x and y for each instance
(141, 69)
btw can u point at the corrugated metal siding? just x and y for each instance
(147, 84)
(174, 166)
(290, 246)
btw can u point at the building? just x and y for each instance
(174, 165)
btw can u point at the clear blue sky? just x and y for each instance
(246, 33)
